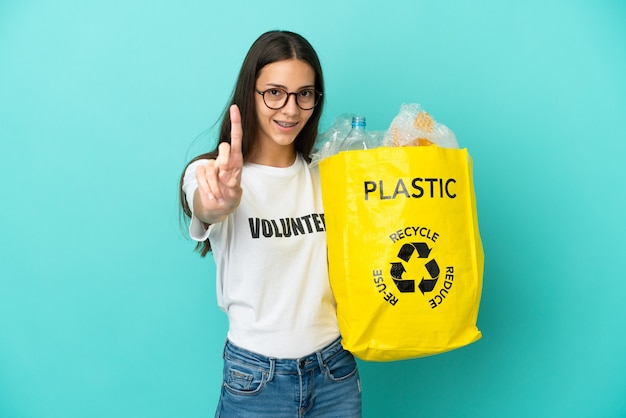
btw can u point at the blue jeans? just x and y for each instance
(323, 384)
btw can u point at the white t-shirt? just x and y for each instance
(271, 261)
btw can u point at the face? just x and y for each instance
(278, 129)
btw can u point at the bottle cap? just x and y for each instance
(358, 121)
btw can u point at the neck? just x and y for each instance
(278, 157)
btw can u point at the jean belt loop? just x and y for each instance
(320, 361)
(272, 369)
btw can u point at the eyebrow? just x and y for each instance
(312, 86)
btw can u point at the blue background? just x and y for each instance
(105, 311)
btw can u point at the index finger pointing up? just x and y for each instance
(236, 132)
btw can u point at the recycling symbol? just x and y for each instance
(421, 251)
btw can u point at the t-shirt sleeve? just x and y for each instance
(197, 229)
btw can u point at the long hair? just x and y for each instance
(270, 47)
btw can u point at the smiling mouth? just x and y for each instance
(286, 124)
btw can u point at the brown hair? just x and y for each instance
(270, 47)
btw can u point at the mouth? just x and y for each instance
(285, 125)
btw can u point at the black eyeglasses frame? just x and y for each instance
(318, 96)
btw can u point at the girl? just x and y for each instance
(256, 204)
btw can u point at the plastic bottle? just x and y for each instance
(357, 137)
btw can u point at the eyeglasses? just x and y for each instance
(276, 98)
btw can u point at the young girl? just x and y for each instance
(256, 204)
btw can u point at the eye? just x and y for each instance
(275, 92)
(307, 94)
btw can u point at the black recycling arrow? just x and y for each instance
(422, 249)
(397, 269)
(405, 286)
(407, 250)
(427, 285)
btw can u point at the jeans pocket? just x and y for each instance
(341, 366)
(242, 379)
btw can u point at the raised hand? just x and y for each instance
(219, 181)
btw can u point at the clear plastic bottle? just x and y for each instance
(357, 138)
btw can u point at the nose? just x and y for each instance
(291, 107)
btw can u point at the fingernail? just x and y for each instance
(220, 201)
(211, 196)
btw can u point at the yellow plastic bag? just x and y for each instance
(405, 256)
